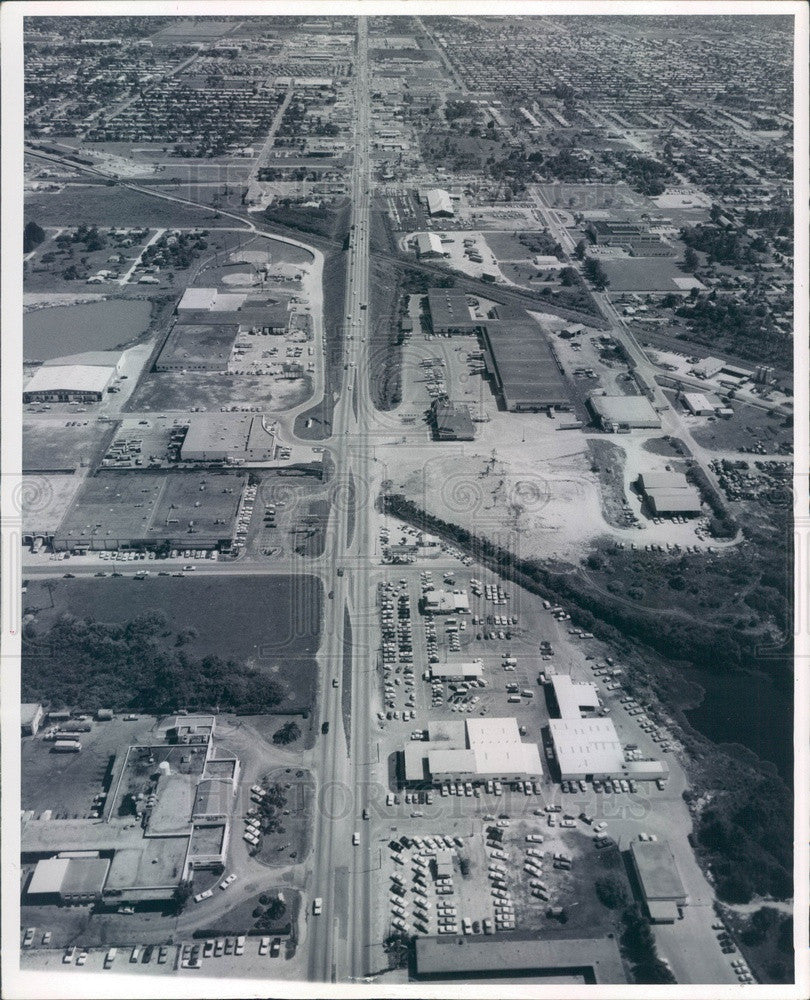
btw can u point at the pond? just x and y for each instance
(94, 326)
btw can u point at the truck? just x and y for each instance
(66, 746)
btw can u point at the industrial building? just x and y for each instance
(439, 203)
(669, 493)
(238, 438)
(429, 245)
(618, 413)
(510, 956)
(587, 748)
(69, 879)
(446, 602)
(77, 378)
(31, 715)
(708, 367)
(572, 699)
(471, 750)
(659, 879)
(450, 313)
(524, 370)
(699, 405)
(197, 347)
(452, 421)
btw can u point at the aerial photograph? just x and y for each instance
(406, 554)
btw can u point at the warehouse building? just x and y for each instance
(659, 879)
(708, 367)
(572, 699)
(587, 748)
(507, 957)
(197, 347)
(475, 750)
(31, 714)
(439, 203)
(524, 370)
(429, 245)
(699, 405)
(621, 413)
(71, 880)
(238, 438)
(452, 421)
(662, 481)
(65, 380)
(679, 503)
(197, 300)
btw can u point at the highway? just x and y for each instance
(341, 877)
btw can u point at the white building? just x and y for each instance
(574, 699)
(197, 300)
(229, 437)
(429, 245)
(439, 202)
(587, 748)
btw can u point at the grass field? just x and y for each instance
(644, 274)
(52, 446)
(114, 205)
(269, 622)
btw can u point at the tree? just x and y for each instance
(579, 251)
(690, 261)
(610, 892)
(182, 894)
(595, 273)
(276, 910)
(33, 235)
(287, 734)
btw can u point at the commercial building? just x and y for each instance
(586, 748)
(617, 413)
(511, 956)
(485, 749)
(659, 879)
(457, 671)
(446, 602)
(429, 245)
(239, 438)
(31, 714)
(68, 382)
(662, 481)
(439, 203)
(698, 404)
(197, 299)
(452, 421)
(708, 367)
(572, 699)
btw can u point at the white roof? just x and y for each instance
(76, 378)
(198, 298)
(48, 876)
(481, 731)
(586, 746)
(572, 697)
(439, 201)
(456, 670)
(508, 758)
(227, 301)
(428, 243)
(626, 409)
(698, 401)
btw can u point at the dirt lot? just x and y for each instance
(53, 445)
(748, 427)
(210, 390)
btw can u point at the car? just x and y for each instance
(228, 946)
(109, 958)
(82, 958)
(135, 954)
(46, 939)
(366, 814)
(208, 949)
(228, 881)
(317, 906)
(203, 895)
(240, 945)
(275, 947)
(163, 954)
(219, 949)
(355, 838)
(28, 939)
(67, 958)
(264, 946)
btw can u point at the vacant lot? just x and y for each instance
(748, 427)
(161, 391)
(53, 446)
(646, 274)
(113, 205)
(271, 623)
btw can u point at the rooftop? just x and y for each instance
(626, 410)
(75, 378)
(572, 698)
(591, 746)
(657, 869)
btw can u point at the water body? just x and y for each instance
(746, 709)
(94, 326)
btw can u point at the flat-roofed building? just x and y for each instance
(485, 749)
(524, 369)
(708, 367)
(195, 299)
(239, 438)
(452, 421)
(659, 879)
(678, 502)
(662, 481)
(698, 404)
(76, 880)
(31, 714)
(574, 699)
(586, 748)
(457, 671)
(455, 958)
(450, 312)
(447, 602)
(624, 412)
(198, 347)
